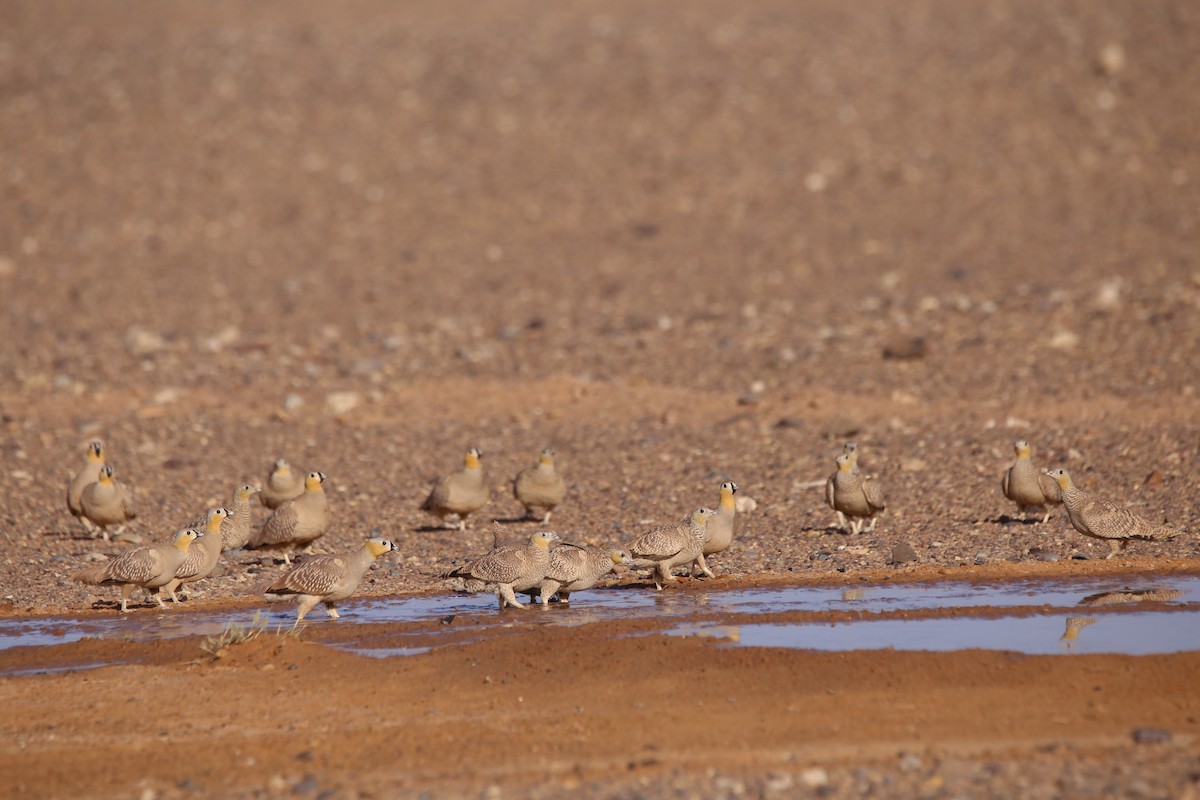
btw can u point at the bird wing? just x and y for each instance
(279, 526)
(437, 496)
(317, 575)
(502, 565)
(127, 502)
(135, 566)
(659, 543)
(1006, 483)
(567, 563)
(1050, 488)
(192, 563)
(830, 492)
(874, 493)
(1108, 520)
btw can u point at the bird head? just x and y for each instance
(547, 457)
(620, 558)
(850, 447)
(281, 467)
(1061, 476)
(1022, 448)
(184, 539)
(728, 490)
(377, 547)
(215, 517)
(845, 462)
(543, 539)
(95, 451)
(106, 476)
(313, 482)
(243, 493)
(471, 459)
(702, 515)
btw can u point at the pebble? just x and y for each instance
(141, 342)
(814, 777)
(903, 348)
(1064, 340)
(343, 402)
(902, 553)
(745, 504)
(1151, 735)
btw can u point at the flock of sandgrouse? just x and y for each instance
(300, 515)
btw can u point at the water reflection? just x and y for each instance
(1131, 596)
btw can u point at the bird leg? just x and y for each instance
(664, 573)
(307, 604)
(856, 526)
(329, 609)
(841, 518)
(704, 570)
(126, 591)
(506, 594)
(158, 597)
(1115, 546)
(564, 597)
(549, 587)
(546, 519)
(871, 528)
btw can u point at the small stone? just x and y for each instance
(141, 342)
(745, 504)
(905, 348)
(1155, 478)
(1064, 340)
(910, 762)
(1151, 736)
(902, 554)
(129, 537)
(981, 558)
(1112, 59)
(168, 394)
(292, 402)
(913, 465)
(340, 403)
(814, 777)
(841, 427)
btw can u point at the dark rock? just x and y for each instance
(905, 347)
(1151, 736)
(902, 553)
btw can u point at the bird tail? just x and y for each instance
(273, 591)
(93, 575)
(1162, 533)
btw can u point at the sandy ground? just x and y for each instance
(680, 243)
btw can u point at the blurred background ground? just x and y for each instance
(680, 242)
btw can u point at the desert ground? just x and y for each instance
(680, 242)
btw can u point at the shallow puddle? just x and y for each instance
(1094, 597)
(1139, 633)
